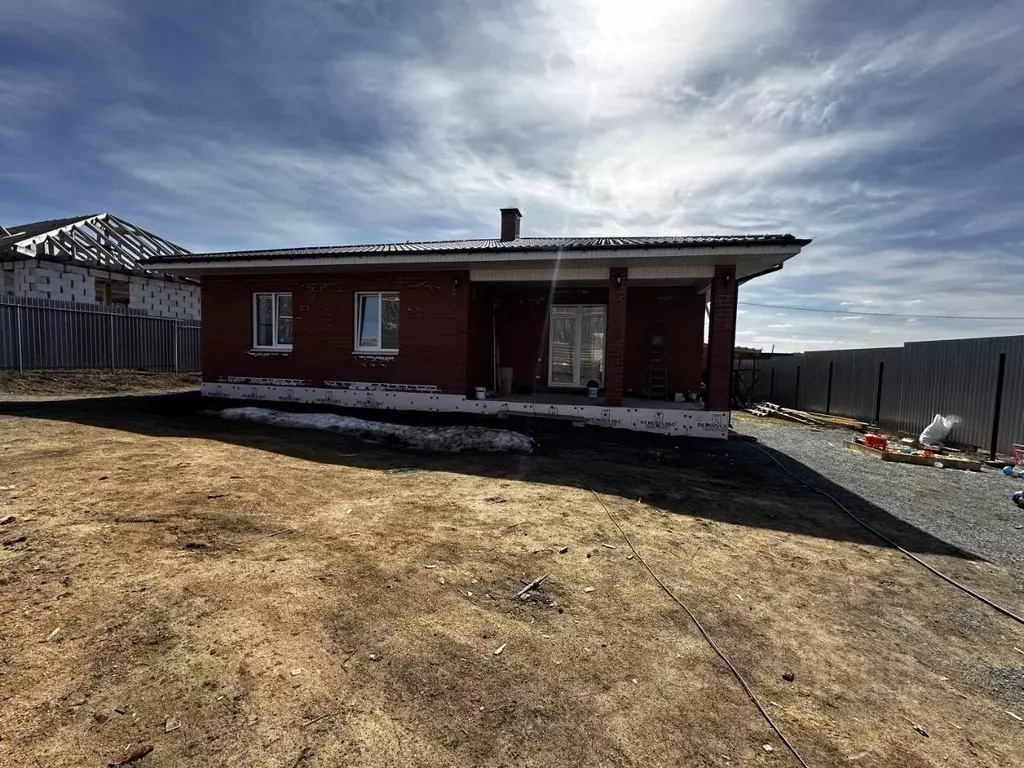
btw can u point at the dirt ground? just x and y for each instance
(245, 596)
(34, 385)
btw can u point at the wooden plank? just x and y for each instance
(147, 239)
(867, 450)
(949, 462)
(100, 231)
(952, 462)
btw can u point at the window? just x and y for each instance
(272, 320)
(576, 345)
(112, 292)
(376, 322)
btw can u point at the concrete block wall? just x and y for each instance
(71, 282)
(6, 277)
(50, 280)
(164, 298)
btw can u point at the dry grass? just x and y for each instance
(364, 633)
(35, 385)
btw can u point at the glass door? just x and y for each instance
(562, 357)
(576, 349)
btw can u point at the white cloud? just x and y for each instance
(595, 117)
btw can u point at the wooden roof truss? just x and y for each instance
(103, 241)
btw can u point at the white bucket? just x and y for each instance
(481, 393)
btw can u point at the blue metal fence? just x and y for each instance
(38, 334)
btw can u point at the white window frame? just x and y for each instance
(377, 350)
(577, 382)
(255, 320)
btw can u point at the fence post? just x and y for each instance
(878, 393)
(17, 321)
(796, 397)
(828, 395)
(111, 341)
(771, 391)
(175, 326)
(997, 407)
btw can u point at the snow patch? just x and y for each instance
(452, 439)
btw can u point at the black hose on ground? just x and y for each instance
(883, 537)
(705, 635)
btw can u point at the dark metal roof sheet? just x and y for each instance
(521, 244)
(21, 232)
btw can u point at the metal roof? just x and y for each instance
(553, 244)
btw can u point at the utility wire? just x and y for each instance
(877, 314)
(883, 537)
(704, 634)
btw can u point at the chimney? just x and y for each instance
(510, 224)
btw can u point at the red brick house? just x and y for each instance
(533, 320)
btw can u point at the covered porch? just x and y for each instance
(544, 336)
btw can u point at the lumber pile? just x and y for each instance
(808, 418)
(922, 457)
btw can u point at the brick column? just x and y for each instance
(615, 338)
(721, 338)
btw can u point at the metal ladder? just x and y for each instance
(657, 371)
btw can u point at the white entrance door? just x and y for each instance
(576, 347)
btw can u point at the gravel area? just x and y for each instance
(1005, 682)
(970, 510)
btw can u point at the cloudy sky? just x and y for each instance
(891, 132)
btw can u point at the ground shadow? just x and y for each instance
(726, 481)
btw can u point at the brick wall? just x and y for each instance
(432, 331)
(521, 328)
(615, 338)
(721, 338)
(520, 322)
(70, 282)
(677, 313)
(480, 363)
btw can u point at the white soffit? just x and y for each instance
(540, 275)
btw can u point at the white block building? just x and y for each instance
(94, 259)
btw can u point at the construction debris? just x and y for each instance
(532, 585)
(879, 448)
(807, 418)
(935, 434)
(138, 754)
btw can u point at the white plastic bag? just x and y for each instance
(936, 432)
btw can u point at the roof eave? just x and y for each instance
(463, 259)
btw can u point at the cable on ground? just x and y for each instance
(704, 634)
(883, 537)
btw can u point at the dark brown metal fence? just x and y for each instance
(904, 387)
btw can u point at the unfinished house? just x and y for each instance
(94, 259)
(602, 330)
